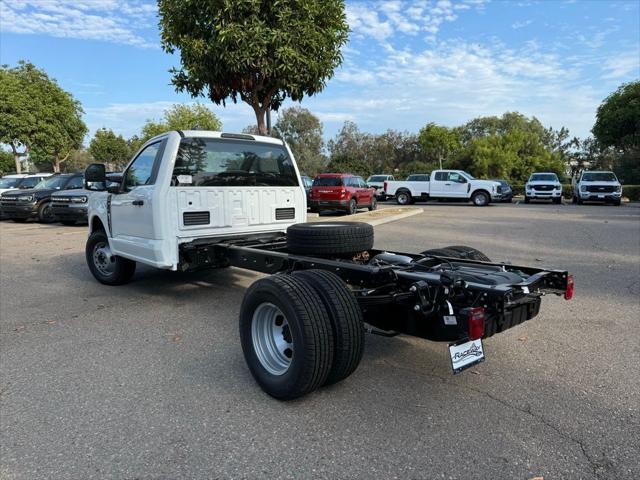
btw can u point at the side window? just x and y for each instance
(361, 182)
(141, 170)
(456, 177)
(441, 176)
(75, 182)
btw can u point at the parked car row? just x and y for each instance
(52, 198)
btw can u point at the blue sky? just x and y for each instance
(407, 63)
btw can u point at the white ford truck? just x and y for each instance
(445, 185)
(193, 200)
(592, 186)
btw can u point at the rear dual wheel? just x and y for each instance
(299, 332)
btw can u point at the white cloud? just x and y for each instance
(114, 21)
(522, 24)
(387, 19)
(626, 64)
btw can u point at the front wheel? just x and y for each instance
(480, 199)
(45, 213)
(374, 204)
(557, 201)
(106, 267)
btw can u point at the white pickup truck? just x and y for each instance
(447, 185)
(592, 186)
(193, 200)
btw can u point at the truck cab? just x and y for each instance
(601, 186)
(182, 187)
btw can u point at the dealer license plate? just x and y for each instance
(465, 355)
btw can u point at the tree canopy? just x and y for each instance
(108, 148)
(37, 117)
(258, 52)
(303, 133)
(180, 117)
(439, 143)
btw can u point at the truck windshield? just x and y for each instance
(10, 182)
(53, 183)
(599, 177)
(543, 177)
(377, 178)
(213, 162)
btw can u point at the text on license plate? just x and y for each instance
(465, 355)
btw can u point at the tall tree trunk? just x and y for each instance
(260, 114)
(16, 158)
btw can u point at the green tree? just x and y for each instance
(182, 117)
(260, 52)
(7, 162)
(346, 164)
(108, 148)
(617, 130)
(439, 143)
(37, 116)
(303, 133)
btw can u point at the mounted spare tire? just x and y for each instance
(329, 238)
(458, 251)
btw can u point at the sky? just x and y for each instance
(407, 63)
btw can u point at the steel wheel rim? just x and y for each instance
(271, 337)
(353, 207)
(103, 259)
(402, 198)
(480, 200)
(374, 204)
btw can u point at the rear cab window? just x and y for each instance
(327, 182)
(215, 162)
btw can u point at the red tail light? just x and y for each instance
(568, 293)
(476, 323)
(385, 187)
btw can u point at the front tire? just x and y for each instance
(286, 336)
(106, 267)
(557, 201)
(526, 199)
(480, 199)
(19, 220)
(374, 204)
(68, 223)
(45, 213)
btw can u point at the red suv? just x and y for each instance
(341, 191)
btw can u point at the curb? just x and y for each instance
(368, 218)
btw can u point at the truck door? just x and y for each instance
(132, 219)
(438, 183)
(456, 186)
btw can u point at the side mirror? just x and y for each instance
(95, 177)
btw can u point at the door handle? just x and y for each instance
(138, 202)
(448, 184)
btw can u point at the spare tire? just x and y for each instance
(329, 238)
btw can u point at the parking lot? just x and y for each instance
(148, 381)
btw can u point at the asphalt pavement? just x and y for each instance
(148, 381)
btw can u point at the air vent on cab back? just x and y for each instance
(285, 213)
(195, 218)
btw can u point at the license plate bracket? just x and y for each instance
(465, 354)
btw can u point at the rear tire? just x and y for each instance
(574, 199)
(403, 198)
(346, 321)
(327, 238)
(286, 336)
(107, 268)
(352, 209)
